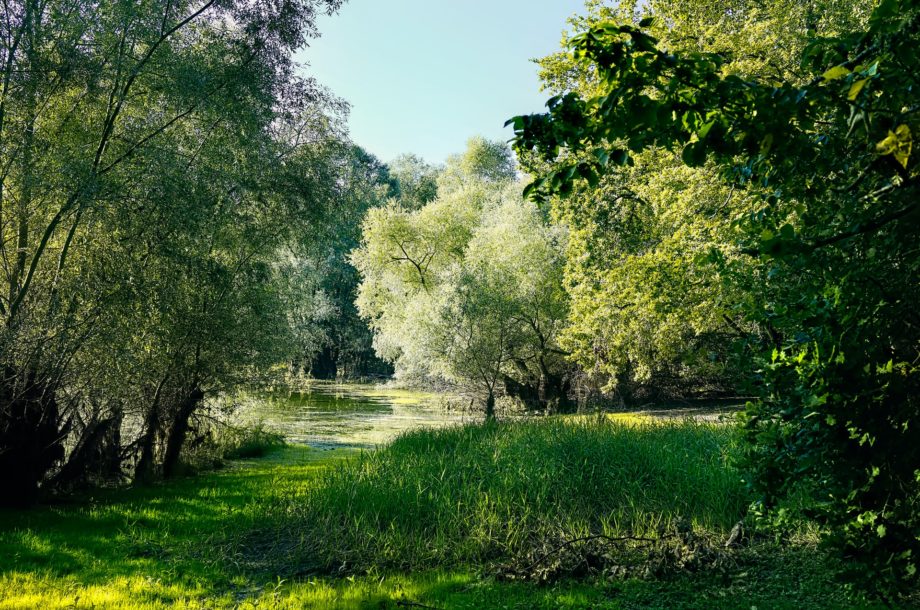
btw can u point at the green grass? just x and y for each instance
(500, 492)
(250, 442)
(199, 542)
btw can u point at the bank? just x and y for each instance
(234, 538)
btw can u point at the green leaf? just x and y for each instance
(898, 143)
(886, 11)
(694, 154)
(602, 156)
(619, 156)
(855, 88)
(835, 73)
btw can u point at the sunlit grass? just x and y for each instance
(159, 546)
(465, 495)
(185, 544)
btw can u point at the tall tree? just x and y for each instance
(648, 321)
(468, 287)
(825, 163)
(121, 126)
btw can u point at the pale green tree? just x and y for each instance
(647, 319)
(468, 288)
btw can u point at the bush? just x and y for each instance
(250, 442)
(225, 442)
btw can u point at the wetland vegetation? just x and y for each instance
(246, 363)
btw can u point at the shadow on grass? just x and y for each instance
(163, 544)
(175, 546)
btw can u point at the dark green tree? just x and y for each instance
(831, 231)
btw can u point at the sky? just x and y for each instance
(423, 76)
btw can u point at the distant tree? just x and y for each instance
(416, 181)
(483, 161)
(335, 340)
(467, 288)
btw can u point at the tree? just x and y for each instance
(127, 132)
(825, 162)
(416, 181)
(483, 161)
(647, 321)
(467, 288)
(323, 285)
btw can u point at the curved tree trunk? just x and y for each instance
(144, 470)
(178, 430)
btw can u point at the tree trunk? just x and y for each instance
(26, 165)
(324, 366)
(144, 471)
(30, 435)
(178, 431)
(490, 406)
(527, 393)
(555, 391)
(97, 455)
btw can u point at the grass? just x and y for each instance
(147, 547)
(251, 442)
(191, 543)
(467, 495)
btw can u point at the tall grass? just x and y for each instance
(470, 494)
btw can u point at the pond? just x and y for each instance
(328, 415)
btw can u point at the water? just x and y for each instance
(328, 415)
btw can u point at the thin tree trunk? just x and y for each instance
(143, 472)
(26, 169)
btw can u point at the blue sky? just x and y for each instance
(423, 76)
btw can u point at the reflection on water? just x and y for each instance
(356, 415)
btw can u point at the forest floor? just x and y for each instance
(177, 545)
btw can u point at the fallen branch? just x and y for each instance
(568, 543)
(410, 604)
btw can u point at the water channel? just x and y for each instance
(328, 415)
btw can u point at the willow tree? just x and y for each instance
(468, 287)
(112, 119)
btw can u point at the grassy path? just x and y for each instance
(170, 546)
(176, 546)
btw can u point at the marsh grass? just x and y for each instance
(250, 442)
(224, 441)
(178, 545)
(474, 494)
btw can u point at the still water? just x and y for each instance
(327, 415)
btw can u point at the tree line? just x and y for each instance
(172, 193)
(720, 200)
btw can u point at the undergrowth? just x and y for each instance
(178, 544)
(227, 442)
(505, 494)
